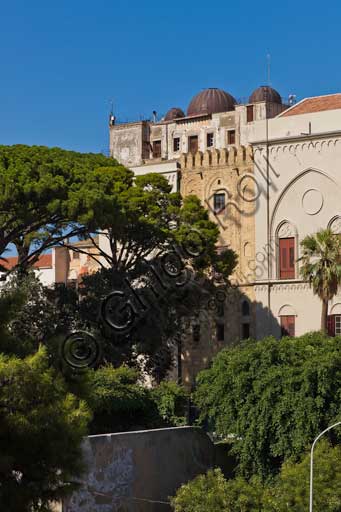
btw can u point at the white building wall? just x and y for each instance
(304, 189)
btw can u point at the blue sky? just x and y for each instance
(63, 62)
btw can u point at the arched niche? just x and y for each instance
(336, 309)
(287, 310)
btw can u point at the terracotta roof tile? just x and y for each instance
(44, 261)
(315, 104)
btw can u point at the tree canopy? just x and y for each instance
(46, 195)
(289, 491)
(41, 429)
(321, 266)
(272, 397)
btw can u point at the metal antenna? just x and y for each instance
(111, 103)
(268, 65)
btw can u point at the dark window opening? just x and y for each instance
(76, 255)
(196, 332)
(288, 325)
(249, 113)
(176, 144)
(245, 331)
(219, 202)
(287, 258)
(157, 149)
(193, 144)
(245, 308)
(220, 329)
(231, 137)
(220, 307)
(210, 140)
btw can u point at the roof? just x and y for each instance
(44, 261)
(314, 104)
(211, 101)
(174, 113)
(265, 93)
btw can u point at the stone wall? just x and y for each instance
(229, 172)
(139, 471)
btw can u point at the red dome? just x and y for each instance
(211, 101)
(265, 93)
(174, 113)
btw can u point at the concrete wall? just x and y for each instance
(139, 471)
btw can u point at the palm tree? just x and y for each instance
(321, 266)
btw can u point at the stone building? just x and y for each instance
(300, 153)
(206, 152)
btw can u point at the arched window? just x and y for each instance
(286, 251)
(245, 308)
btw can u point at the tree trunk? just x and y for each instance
(324, 316)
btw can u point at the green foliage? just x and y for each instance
(46, 194)
(289, 491)
(39, 314)
(212, 493)
(274, 397)
(119, 402)
(321, 266)
(291, 488)
(172, 403)
(41, 428)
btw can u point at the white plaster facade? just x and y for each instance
(300, 157)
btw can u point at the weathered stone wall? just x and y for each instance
(139, 471)
(229, 172)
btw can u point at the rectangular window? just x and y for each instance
(75, 255)
(288, 325)
(231, 137)
(176, 144)
(220, 332)
(287, 258)
(334, 325)
(249, 113)
(219, 203)
(331, 325)
(245, 331)
(193, 144)
(157, 149)
(210, 140)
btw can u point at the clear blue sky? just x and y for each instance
(63, 61)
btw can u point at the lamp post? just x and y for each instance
(312, 463)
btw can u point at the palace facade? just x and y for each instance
(269, 174)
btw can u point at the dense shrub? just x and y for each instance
(289, 491)
(273, 396)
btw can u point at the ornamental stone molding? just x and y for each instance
(335, 225)
(293, 148)
(286, 230)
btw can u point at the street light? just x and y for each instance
(312, 463)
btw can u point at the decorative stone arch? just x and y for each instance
(276, 221)
(287, 310)
(335, 225)
(336, 309)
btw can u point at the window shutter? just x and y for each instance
(288, 325)
(287, 258)
(331, 325)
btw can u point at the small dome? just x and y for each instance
(211, 101)
(265, 93)
(174, 113)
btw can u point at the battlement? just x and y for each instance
(242, 155)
